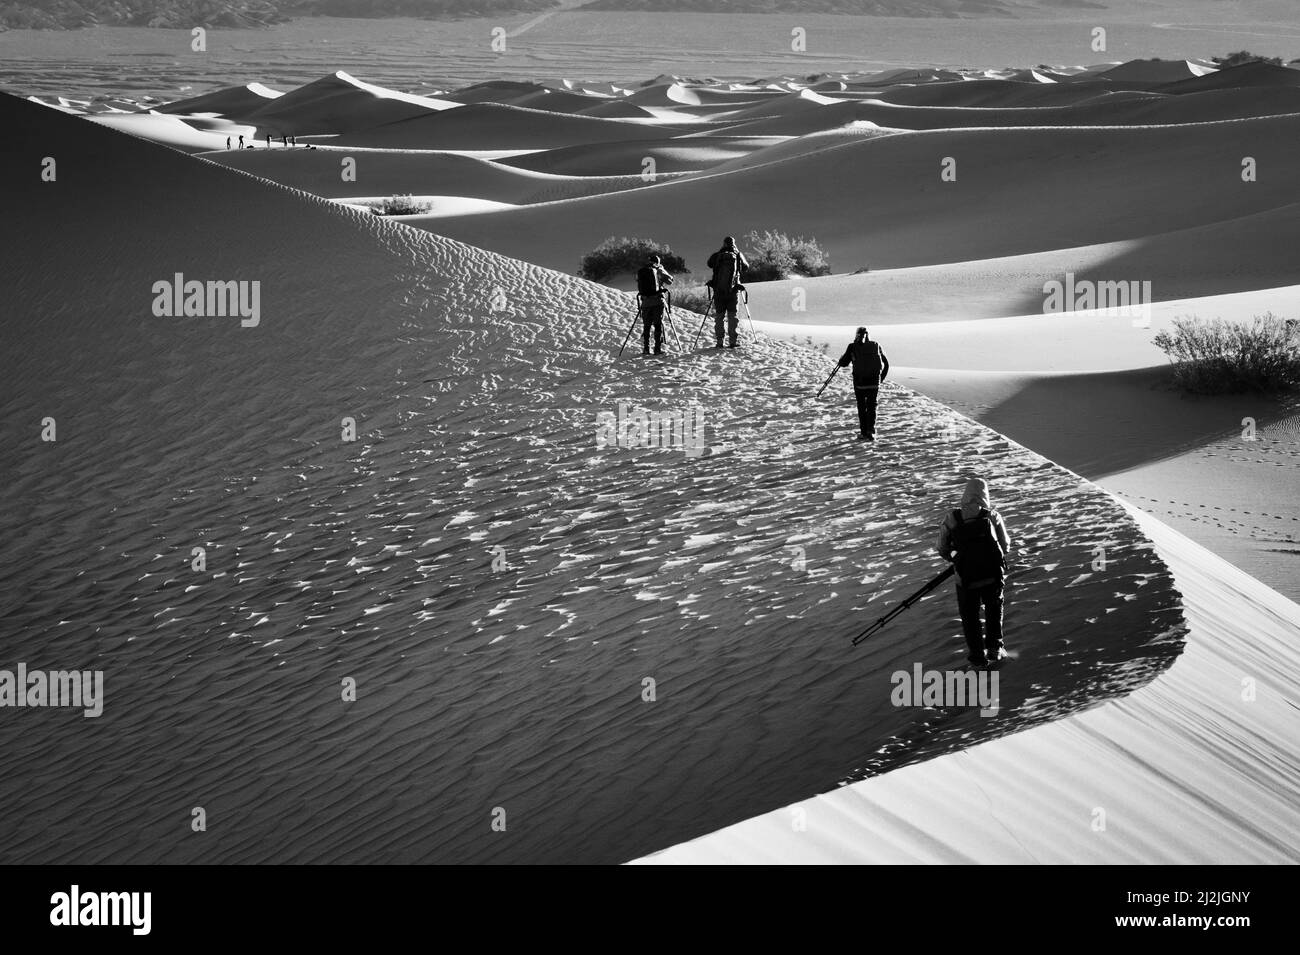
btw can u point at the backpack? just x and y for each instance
(979, 558)
(726, 274)
(866, 361)
(647, 280)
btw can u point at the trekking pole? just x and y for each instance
(707, 308)
(880, 624)
(630, 327)
(672, 325)
(753, 331)
(834, 371)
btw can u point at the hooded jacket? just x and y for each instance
(974, 498)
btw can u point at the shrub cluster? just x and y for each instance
(1219, 357)
(401, 206)
(618, 255)
(775, 256)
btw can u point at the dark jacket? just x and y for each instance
(863, 357)
(662, 278)
(974, 499)
(742, 266)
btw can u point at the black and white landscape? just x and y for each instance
(346, 521)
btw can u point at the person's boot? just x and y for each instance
(659, 350)
(733, 344)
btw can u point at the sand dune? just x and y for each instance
(236, 102)
(1153, 71)
(1182, 771)
(373, 560)
(670, 155)
(1094, 181)
(1118, 109)
(173, 131)
(616, 109)
(1180, 265)
(790, 104)
(475, 380)
(339, 104)
(390, 172)
(493, 91)
(999, 93)
(491, 126)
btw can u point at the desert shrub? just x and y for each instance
(614, 256)
(401, 206)
(691, 298)
(1219, 357)
(1243, 56)
(776, 256)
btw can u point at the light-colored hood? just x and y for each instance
(975, 496)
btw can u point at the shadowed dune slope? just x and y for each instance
(390, 172)
(337, 104)
(235, 102)
(613, 159)
(492, 126)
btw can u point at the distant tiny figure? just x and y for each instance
(241, 142)
(870, 369)
(227, 142)
(651, 281)
(975, 539)
(729, 266)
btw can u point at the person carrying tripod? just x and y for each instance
(870, 369)
(974, 538)
(652, 281)
(729, 266)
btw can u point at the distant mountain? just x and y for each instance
(887, 8)
(184, 14)
(68, 14)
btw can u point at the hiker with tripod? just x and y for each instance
(729, 266)
(870, 369)
(651, 286)
(974, 538)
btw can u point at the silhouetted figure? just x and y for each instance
(870, 369)
(241, 142)
(975, 539)
(729, 265)
(651, 281)
(227, 142)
